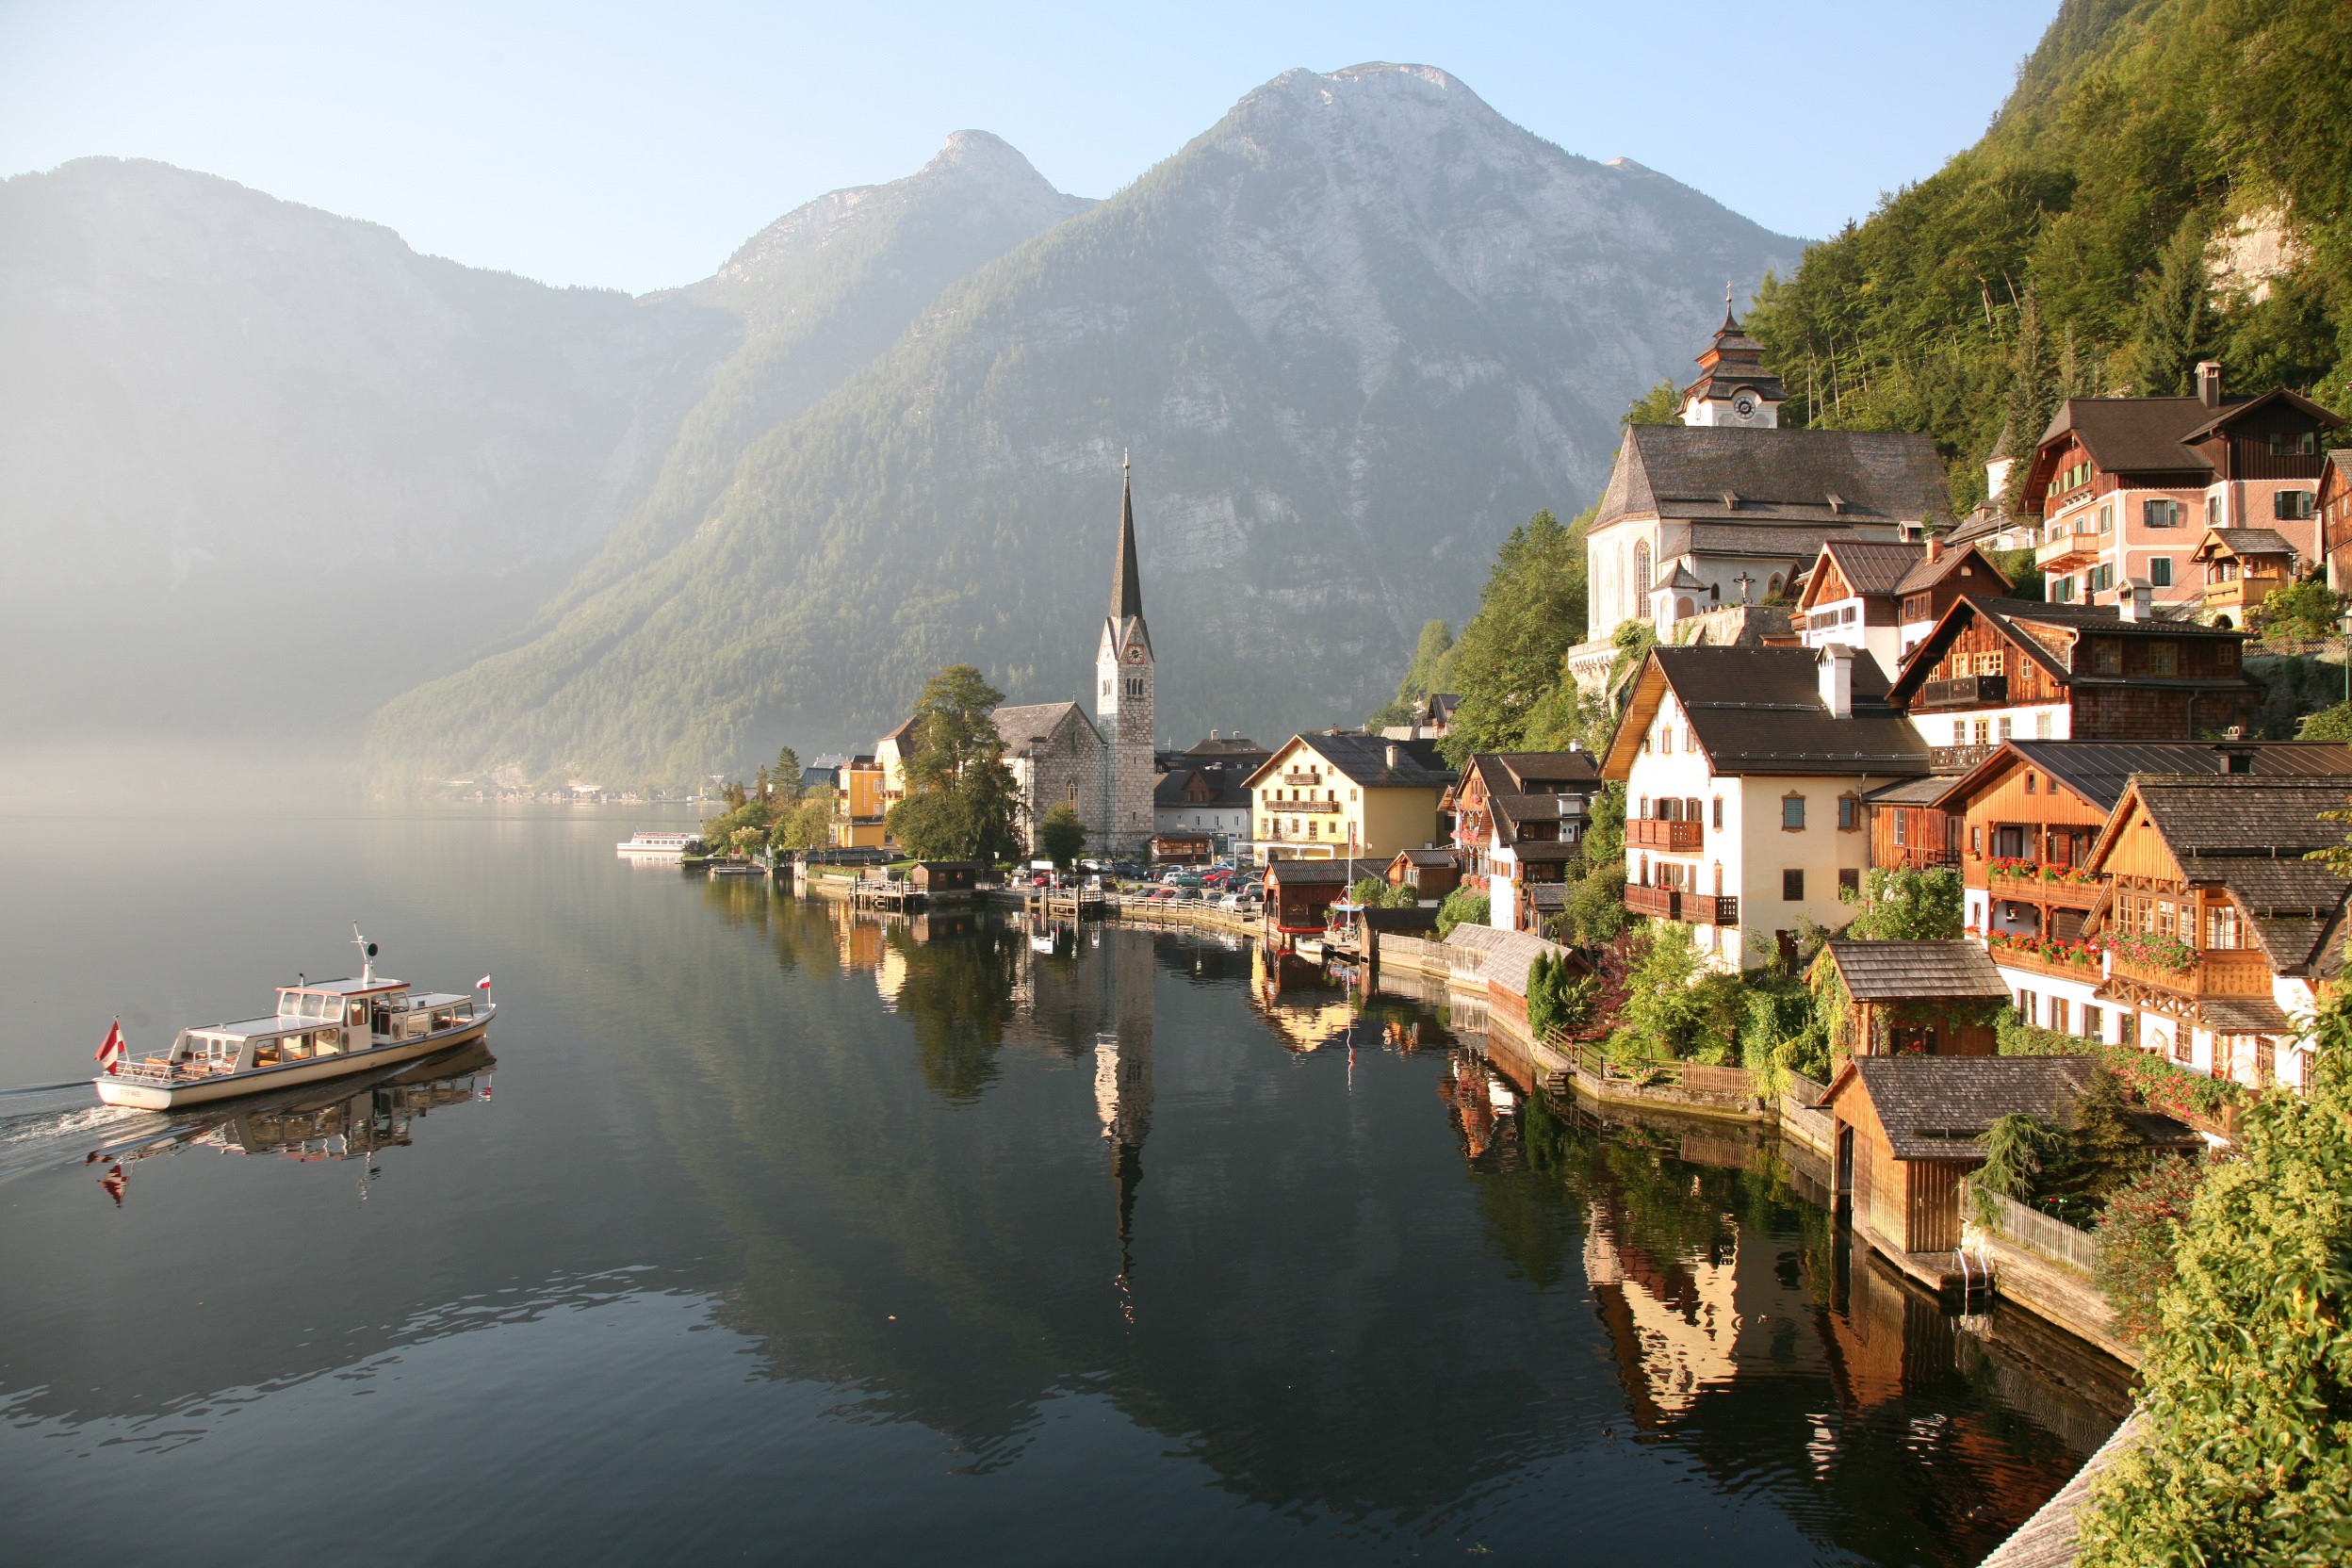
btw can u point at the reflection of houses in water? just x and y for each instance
(1122, 1079)
(1483, 1107)
(890, 976)
(1675, 1322)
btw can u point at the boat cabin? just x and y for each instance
(325, 1020)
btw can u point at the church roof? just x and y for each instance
(1023, 726)
(1728, 475)
(1126, 621)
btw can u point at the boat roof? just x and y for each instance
(346, 987)
(435, 999)
(263, 1028)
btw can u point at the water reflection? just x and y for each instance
(928, 1237)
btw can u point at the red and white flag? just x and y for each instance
(482, 984)
(111, 1049)
(114, 1182)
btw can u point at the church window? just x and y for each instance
(1641, 567)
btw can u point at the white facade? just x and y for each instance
(1843, 623)
(1751, 837)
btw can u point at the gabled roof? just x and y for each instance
(1224, 787)
(1759, 711)
(2250, 835)
(2234, 409)
(1938, 1108)
(1514, 814)
(1927, 574)
(2063, 625)
(2099, 769)
(1522, 773)
(2145, 435)
(1735, 474)
(1913, 971)
(1868, 566)
(1300, 873)
(1025, 724)
(1363, 760)
(903, 735)
(1426, 858)
(2243, 541)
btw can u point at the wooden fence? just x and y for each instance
(2034, 1231)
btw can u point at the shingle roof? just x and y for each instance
(1508, 953)
(1759, 711)
(2099, 769)
(1513, 813)
(1685, 471)
(1426, 857)
(1538, 852)
(1025, 724)
(1224, 785)
(1940, 1107)
(1799, 543)
(1874, 566)
(2126, 435)
(1929, 573)
(1363, 760)
(1914, 791)
(1300, 873)
(2249, 834)
(1915, 971)
(2245, 541)
(1521, 773)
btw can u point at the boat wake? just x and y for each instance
(40, 1128)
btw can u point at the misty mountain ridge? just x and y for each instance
(1353, 334)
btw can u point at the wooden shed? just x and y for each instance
(1907, 1129)
(1297, 892)
(1431, 874)
(943, 879)
(1932, 998)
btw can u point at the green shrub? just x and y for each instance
(1676, 1008)
(1907, 905)
(2137, 1237)
(1461, 908)
(2246, 1455)
(2307, 609)
(1559, 998)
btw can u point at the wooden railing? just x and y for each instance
(1736, 1082)
(1289, 808)
(1956, 759)
(1675, 838)
(1964, 691)
(2033, 886)
(2034, 1231)
(1675, 904)
(2090, 970)
(2219, 972)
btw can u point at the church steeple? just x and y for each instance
(1126, 580)
(1734, 387)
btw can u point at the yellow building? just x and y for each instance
(1324, 796)
(858, 810)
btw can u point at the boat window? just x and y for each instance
(266, 1055)
(295, 1047)
(327, 1043)
(442, 1017)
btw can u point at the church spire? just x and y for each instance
(1127, 582)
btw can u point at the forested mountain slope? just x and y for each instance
(262, 467)
(1352, 334)
(2170, 181)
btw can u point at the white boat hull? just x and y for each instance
(152, 1094)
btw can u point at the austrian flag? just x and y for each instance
(111, 1049)
(482, 984)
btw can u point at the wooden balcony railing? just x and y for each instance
(1297, 807)
(1956, 759)
(1675, 904)
(2219, 972)
(2086, 967)
(1675, 837)
(1964, 691)
(2030, 885)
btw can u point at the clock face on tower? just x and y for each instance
(1744, 406)
(1135, 655)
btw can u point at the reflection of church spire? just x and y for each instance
(1122, 1079)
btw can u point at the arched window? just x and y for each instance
(1640, 571)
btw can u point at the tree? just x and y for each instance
(2245, 1451)
(1660, 405)
(2176, 323)
(1376, 892)
(1675, 1009)
(2306, 608)
(960, 803)
(785, 775)
(2138, 1234)
(1903, 905)
(807, 824)
(1531, 614)
(2032, 393)
(1061, 834)
(1461, 908)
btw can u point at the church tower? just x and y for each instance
(1734, 388)
(1122, 702)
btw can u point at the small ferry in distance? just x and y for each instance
(655, 846)
(323, 1030)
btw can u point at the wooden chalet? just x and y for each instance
(1431, 874)
(938, 880)
(2243, 568)
(1911, 829)
(1886, 597)
(2335, 507)
(1912, 997)
(1907, 1129)
(1298, 893)
(2218, 930)
(1995, 670)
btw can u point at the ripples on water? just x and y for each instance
(777, 1230)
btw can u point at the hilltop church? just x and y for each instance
(1726, 508)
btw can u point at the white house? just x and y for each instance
(1745, 771)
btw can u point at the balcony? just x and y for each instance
(1965, 690)
(1675, 837)
(2068, 552)
(2037, 883)
(2241, 596)
(2217, 972)
(1956, 759)
(2061, 963)
(1690, 908)
(1298, 808)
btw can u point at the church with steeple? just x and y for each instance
(1123, 671)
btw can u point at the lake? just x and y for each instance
(763, 1230)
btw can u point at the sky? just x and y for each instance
(637, 146)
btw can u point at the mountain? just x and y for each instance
(1351, 336)
(262, 467)
(237, 429)
(2167, 183)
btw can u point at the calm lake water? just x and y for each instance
(773, 1233)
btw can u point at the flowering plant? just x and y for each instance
(2169, 954)
(2033, 870)
(2051, 950)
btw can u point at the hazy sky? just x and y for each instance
(636, 146)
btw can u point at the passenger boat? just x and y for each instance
(657, 846)
(324, 1030)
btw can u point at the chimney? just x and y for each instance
(2209, 383)
(1935, 546)
(1836, 663)
(1392, 756)
(2137, 602)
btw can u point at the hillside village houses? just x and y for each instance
(1347, 797)
(1886, 597)
(1519, 820)
(2128, 488)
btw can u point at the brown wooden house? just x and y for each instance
(2335, 507)
(1299, 892)
(1431, 874)
(1911, 827)
(1995, 670)
(1936, 998)
(2243, 568)
(940, 880)
(1908, 1128)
